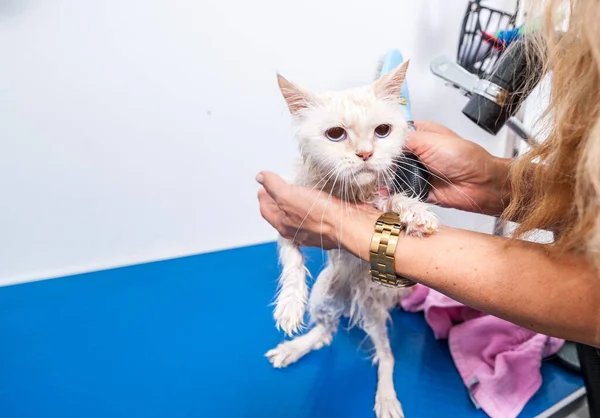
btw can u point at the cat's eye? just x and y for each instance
(335, 134)
(382, 131)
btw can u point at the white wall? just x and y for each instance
(132, 130)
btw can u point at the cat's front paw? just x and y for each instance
(289, 315)
(388, 406)
(419, 221)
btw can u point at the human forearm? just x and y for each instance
(517, 281)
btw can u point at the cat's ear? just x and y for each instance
(389, 85)
(297, 98)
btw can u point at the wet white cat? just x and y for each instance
(350, 142)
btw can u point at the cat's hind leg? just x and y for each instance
(326, 310)
(387, 404)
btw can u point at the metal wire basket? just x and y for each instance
(477, 50)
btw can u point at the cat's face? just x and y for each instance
(353, 135)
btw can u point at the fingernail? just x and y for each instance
(260, 178)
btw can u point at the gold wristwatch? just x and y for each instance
(383, 247)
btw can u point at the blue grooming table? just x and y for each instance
(186, 338)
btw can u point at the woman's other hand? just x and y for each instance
(313, 218)
(464, 175)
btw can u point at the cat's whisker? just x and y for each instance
(325, 180)
(411, 188)
(346, 204)
(355, 204)
(386, 184)
(469, 198)
(394, 181)
(421, 177)
(442, 179)
(344, 196)
(429, 167)
(391, 176)
(326, 206)
(358, 185)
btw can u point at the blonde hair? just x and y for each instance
(556, 185)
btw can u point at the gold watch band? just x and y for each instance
(383, 247)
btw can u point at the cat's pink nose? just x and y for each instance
(365, 155)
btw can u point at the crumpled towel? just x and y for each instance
(499, 362)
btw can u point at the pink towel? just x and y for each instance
(499, 362)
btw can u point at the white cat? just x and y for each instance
(350, 142)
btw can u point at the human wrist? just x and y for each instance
(496, 186)
(354, 229)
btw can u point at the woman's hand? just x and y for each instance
(465, 176)
(313, 218)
